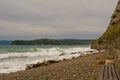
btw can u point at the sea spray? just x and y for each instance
(15, 58)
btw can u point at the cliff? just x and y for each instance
(112, 35)
(110, 40)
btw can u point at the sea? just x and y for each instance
(15, 57)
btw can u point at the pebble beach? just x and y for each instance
(82, 68)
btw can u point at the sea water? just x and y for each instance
(15, 58)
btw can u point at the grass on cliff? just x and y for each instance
(111, 35)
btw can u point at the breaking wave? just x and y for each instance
(15, 61)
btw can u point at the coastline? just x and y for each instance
(17, 60)
(83, 68)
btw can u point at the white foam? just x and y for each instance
(12, 62)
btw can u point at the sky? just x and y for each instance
(57, 19)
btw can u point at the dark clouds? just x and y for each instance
(30, 19)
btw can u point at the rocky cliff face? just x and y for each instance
(111, 38)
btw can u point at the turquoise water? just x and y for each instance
(33, 48)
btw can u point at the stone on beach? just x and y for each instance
(30, 66)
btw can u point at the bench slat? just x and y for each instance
(118, 75)
(102, 73)
(106, 73)
(109, 73)
(110, 76)
(114, 73)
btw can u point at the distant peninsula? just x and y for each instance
(52, 42)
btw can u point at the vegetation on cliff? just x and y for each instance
(111, 35)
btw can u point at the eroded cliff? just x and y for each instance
(110, 40)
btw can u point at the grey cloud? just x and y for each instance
(28, 19)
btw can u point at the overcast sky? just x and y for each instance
(58, 19)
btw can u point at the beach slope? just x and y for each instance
(81, 68)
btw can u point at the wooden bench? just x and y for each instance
(109, 73)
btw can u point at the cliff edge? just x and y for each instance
(111, 37)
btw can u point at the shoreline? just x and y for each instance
(91, 62)
(39, 62)
(49, 62)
